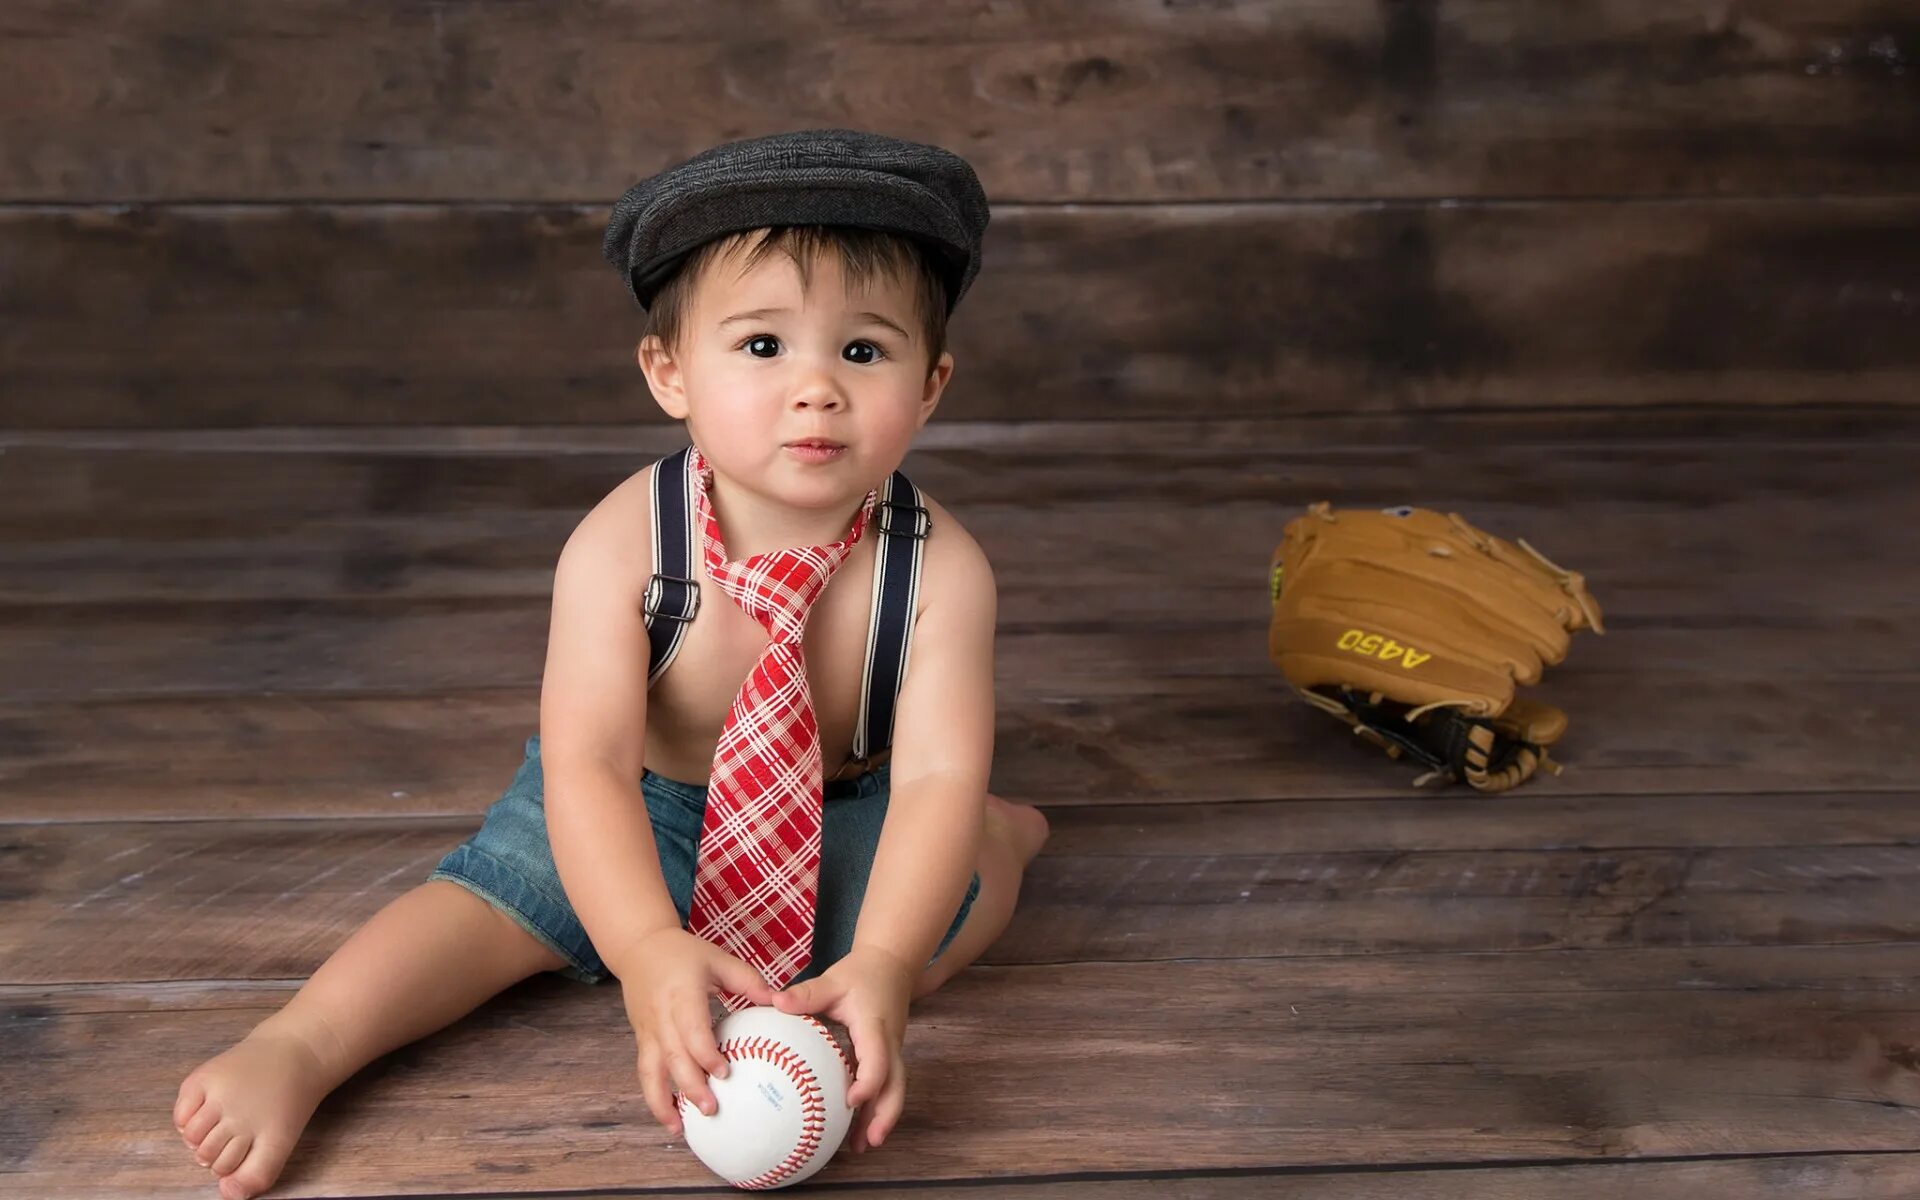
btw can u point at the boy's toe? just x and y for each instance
(255, 1175)
(192, 1095)
(235, 1153)
(212, 1145)
(201, 1124)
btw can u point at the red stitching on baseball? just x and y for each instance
(813, 1109)
(831, 1041)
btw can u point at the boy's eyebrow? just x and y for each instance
(753, 314)
(877, 319)
(757, 314)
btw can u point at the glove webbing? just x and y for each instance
(1453, 746)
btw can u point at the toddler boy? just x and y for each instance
(766, 717)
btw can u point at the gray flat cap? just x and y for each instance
(812, 177)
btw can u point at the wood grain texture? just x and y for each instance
(377, 314)
(1222, 739)
(246, 629)
(1406, 1060)
(130, 901)
(1812, 1177)
(309, 363)
(413, 485)
(1052, 101)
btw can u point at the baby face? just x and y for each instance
(765, 364)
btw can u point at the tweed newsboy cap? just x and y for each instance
(811, 177)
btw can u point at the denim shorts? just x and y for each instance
(509, 862)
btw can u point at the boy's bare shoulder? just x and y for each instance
(593, 691)
(954, 567)
(617, 533)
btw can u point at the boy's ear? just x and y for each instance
(664, 378)
(936, 385)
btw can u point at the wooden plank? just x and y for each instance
(376, 314)
(1641, 731)
(1459, 822)
(1119, 907)
(1465, 429)
(1162, 740)
(1404, 1060)
(1051, 102)
(1127, 555)
(271, 899)
(274, 486)
(1890, 1176)
(130, 650)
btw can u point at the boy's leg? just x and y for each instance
(429, 957)
(1013, 836)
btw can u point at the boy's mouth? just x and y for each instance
(816, 450)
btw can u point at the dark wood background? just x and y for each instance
(309, 363)
(323, 213)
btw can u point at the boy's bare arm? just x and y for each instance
(593, 713)
(942, 758)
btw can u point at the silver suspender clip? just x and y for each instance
(922, 520)
(656, 593)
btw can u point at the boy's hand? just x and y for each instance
(666, 993)
(867, 991)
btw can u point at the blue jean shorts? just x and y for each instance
(509, 862)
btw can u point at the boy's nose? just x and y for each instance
(818, 394)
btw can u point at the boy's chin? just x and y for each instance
(804, 485)
(822, 486)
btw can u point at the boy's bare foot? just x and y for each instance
(1021, 826)
(1014, 834)
(242, 1111)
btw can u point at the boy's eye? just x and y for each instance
(763, 346)
(854, 349)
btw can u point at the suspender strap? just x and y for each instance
(904, 525)
(673, 594)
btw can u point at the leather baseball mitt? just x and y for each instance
(1413, 627)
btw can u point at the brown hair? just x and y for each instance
(864, 254)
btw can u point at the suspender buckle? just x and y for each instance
(921, 522)
(656, 595)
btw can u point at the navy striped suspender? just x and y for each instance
(904, 525)
(673, 594)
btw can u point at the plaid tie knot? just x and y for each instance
(777, 588)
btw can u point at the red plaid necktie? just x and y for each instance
(758, 872)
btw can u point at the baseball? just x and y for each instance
(782, 1109)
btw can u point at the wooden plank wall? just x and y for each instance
(323, 213)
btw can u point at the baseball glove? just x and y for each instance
(1413, 627)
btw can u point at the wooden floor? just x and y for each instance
(252, 685)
